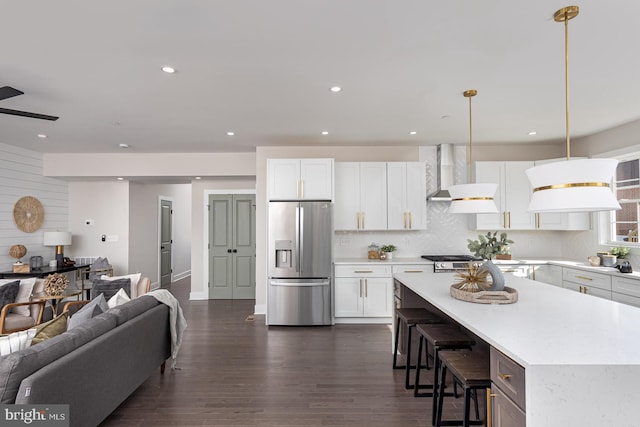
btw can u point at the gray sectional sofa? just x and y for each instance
(94, 367)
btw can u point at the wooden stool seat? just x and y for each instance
(417, 315)
(441, 337)
(472, 370)
(410, 317)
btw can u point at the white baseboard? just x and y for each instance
(155, 285)
(182, 275)
(196, 296)
(260, 309)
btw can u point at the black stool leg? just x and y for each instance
(421, 344)
(475, 399)
(443, 378)
(467, 409)
(407, 383)
(395, 346)
(436, 369)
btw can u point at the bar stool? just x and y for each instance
(441, 337)
(410, 317)
(471, 369)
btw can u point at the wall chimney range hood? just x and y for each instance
(445, 174)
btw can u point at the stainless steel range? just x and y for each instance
(450, 263)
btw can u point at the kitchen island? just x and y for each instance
(581, 354)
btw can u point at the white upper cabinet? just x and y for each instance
(300, 179)
(512, 197)
(361, 196)
(406, 196)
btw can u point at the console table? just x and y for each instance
(42, 272)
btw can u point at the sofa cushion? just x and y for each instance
(118, 299)
(17, 366)
(135, 278)
(110, 287)
(92, 309)
(16, 341)
(9, 292)
(50, 329)
(133, 308)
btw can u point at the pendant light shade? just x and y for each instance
(472, 198)
(573, 185)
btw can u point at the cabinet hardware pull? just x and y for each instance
(583, 278)
(404, 214)
(504, 219)
(297, 188)
(363, 220)
(537, 220)
(366, 288)
(509, 219)
(585, 289)
(504, 377)
(413, 271)
(363, 271)
(358, 219)
(410, 220)
(580, 288)
(490, 397)
(512, 270)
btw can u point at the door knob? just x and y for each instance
(161, 247)
(235, 250)
(229, 251)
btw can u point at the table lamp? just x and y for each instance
(58, 239)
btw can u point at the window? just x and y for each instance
(625, 222)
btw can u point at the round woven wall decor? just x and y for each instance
(28, 214)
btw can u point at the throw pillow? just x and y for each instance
(135, 278)
(24, 294)
(110, 287)
(99, 264)
(8, 293)
(119, 298)
(89, 311)
(50, 329)
(16, 341)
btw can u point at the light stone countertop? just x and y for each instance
(581, 353)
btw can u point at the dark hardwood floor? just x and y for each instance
(234, 371)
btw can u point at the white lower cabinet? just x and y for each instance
(525, 271)
(550, 274)
(587, 282)
(363, 291)
(626, 290)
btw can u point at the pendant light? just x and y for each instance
(572, 185)
(472, 198)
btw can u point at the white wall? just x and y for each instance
(21, 175)
(144, 203)
(107, 204)
(199, 191)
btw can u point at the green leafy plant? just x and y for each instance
(388, 248)
(619, 251)
(489, 245)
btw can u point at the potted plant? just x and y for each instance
(620, 252)
(491, 245)
(388, 250)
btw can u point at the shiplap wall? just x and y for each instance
(21, 175)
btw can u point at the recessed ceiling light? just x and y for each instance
(533, 132)
(230, 133)
(324, 132)
(42, 135)
(123, 145)
(445, 116)
(168, 69)
(413, 132)
(197, 177)
(335, 89)
(120, 178)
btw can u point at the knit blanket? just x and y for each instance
(177, 322)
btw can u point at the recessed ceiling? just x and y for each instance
(264, 69)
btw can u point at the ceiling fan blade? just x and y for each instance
(28, 114)
(9, 92)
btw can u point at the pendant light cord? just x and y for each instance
(566, 81)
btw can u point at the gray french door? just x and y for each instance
(166, 241)
(232, 246)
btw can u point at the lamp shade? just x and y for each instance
(57, 238)
(472, 198)
(573, 186)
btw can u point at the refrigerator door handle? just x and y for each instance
(297, 242)
(301, 238)
(299, 283)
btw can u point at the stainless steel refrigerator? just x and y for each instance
(300, 249)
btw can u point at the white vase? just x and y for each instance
(389, 256)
